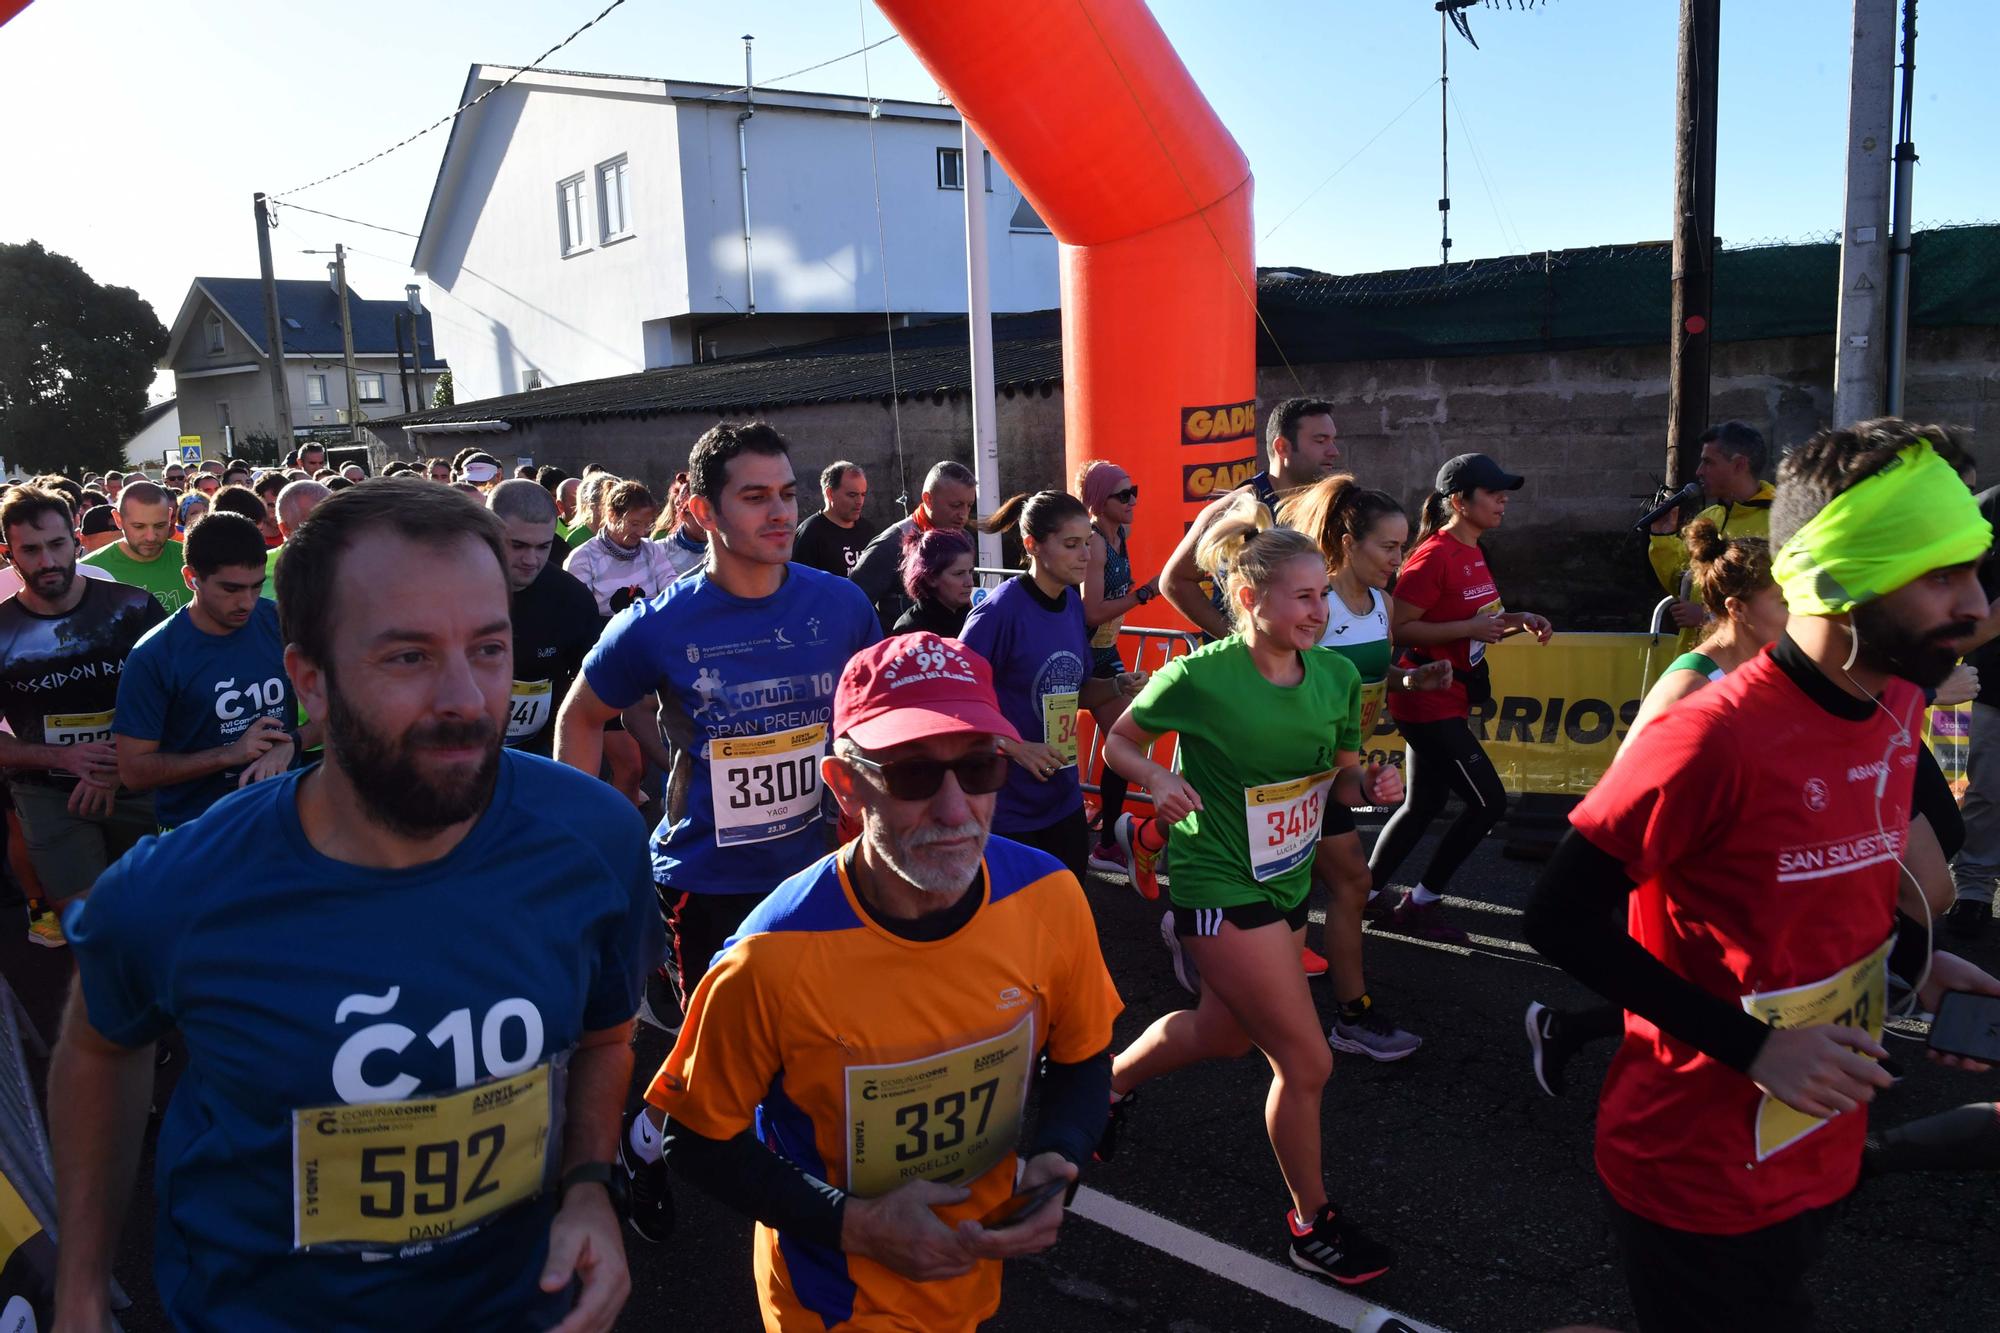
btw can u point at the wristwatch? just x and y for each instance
(1146, 593)
(606, 1174)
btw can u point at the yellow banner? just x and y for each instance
(1560, 710)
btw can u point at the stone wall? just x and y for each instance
(1586, 428)
(1588, 431)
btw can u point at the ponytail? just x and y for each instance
(1437, 512)
(1723, 568)
(1335, 507)
(1242, 549)
(1038, 515)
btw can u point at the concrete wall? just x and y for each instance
(1587, 429)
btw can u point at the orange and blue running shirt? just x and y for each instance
(868, 1059)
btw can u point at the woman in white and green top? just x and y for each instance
(1269, 727)
(1362, 534)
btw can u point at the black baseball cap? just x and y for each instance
(1475, 471)
(99, 519)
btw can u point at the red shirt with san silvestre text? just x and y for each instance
(1450, 581)
(1763, 832)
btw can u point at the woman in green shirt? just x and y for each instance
(1363, 535)
(1269, 727)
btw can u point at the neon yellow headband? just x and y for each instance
(1913, 516)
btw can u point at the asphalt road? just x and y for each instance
(1483, 1184)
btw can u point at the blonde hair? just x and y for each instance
(1241, 549)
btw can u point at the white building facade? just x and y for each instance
(584, 226)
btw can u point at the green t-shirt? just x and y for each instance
(1262, 757)
(160, 576)
(577, 536)
(271, 572)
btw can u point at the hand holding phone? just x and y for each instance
(1018, 1208)
(1967, 1025)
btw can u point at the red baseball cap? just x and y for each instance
(916, 686)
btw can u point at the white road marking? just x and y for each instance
(1288, 1286)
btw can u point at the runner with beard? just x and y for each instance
(743, 657)
(555, 617)
(63, 644)
(400, 1103)
(1756, 830)
(204, 704)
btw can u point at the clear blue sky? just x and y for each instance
(138, 129)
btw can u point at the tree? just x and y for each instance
(443, 395)
(76, 359)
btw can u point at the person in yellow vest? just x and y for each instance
(1732, 455)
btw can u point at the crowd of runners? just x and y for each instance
(364, 852)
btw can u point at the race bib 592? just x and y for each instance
(424, 1169)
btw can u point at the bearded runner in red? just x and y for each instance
(1754, 840)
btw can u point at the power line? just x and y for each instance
(786, 78)
(1421, 94)
(447, 119)
(355, 222)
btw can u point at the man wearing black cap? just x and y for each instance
(99, 528)
(1447, 608)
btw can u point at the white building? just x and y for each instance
(159, 430)
(587, 225)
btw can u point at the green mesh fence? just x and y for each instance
(1605, 296)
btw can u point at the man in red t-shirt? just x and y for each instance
(1754, 838)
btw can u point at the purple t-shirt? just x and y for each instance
(1040, 654)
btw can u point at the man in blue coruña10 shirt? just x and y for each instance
(204, 705)
(407, 1128)
(744, 655)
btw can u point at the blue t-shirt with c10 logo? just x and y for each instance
(752, 681)
(191, 691)
(308, 989)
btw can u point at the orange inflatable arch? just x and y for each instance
(1092, 114)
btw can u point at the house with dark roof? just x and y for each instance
(217, 352)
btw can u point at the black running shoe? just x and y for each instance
(1336, 1247)
(1967, 919)
(1551, 1046)
(1107, 1143)
(649, 1207)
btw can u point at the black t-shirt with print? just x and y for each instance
(59, 674)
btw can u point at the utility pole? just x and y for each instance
(1693, 293)
(274, 327)
(979, 322)
(1899, 244)
(1861, 344)
(1444, 136)
(347, 342)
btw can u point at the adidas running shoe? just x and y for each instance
(1336, 1247)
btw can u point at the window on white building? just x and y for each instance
(569, 211)
(1026, 219)
(370, 388)
(951, 168)
(989, 172)
(212, 330)
(315, 391)
(614, 198)
(531, 379)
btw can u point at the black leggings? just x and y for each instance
(1442, 758)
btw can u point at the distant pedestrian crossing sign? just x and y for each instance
(190, 448)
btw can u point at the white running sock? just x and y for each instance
(646, 1139)
(1422, 896)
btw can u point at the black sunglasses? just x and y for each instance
(1126, 496)
(919, 779)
